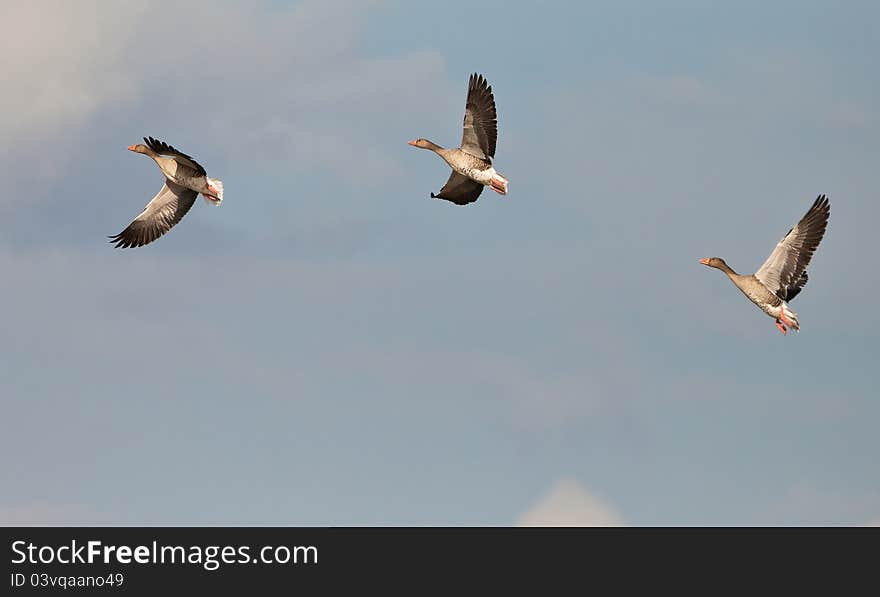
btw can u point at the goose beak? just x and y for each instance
(413, 143)
(704, 261)
(132, 147)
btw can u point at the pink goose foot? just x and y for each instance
(787, 322)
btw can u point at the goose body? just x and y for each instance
(784, 274)
(471, 162)
(185, 179)
(469, 166)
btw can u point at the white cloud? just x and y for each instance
(249, 81)
(570, 504)
(63, 64)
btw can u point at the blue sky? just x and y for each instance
(332, 347)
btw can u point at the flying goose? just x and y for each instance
(472, 162)
(784, 274)
(184, 180)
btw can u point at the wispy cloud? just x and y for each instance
(275, 87)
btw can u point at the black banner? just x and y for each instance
(175, 560)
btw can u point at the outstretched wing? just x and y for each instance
(163, 148)
(784, 271)
(480, 120)
(166, 209)
(459, 189)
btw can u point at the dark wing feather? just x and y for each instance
(795, 289)
(785, 267)
(480, 119)
(167, 208)
(459, 189)
(163, 148)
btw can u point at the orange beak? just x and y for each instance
(413, 143)
(132, 147)
(704, 261)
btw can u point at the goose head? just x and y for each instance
(424, 144)
(718, 263)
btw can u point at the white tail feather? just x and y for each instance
(499, 184)
(215, 187)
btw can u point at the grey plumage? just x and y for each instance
(480, 120)
(784, 272)
(162, 148)
(459, 189)
(166, 209)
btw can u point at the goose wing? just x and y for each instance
(480, 120)
(163, 148)
(795, 289)
(784, 272)
(166, 209)
(459, 189)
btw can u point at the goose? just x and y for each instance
(184, 180)
(471, 163)
(784, 274)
